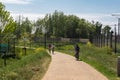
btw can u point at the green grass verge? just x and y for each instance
(100, 58)
(27, 67)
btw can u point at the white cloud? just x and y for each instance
(31, 16)
(105, 19)
(16, 1)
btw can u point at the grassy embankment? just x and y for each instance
(100, 58)
(27, 66)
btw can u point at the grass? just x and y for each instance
(100, 58)
(27, 67)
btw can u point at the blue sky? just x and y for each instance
(97, 10)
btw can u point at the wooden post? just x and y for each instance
(5, 59)
(118, 66)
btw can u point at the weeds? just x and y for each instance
(103, 59)
(22, 69)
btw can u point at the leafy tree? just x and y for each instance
(91, 33)
(107, 29)
(84, 28)
(7, 24)
(72, 23)
(60, 25)
(98, 28)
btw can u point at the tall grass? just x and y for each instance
(100, 58)
(26, 67)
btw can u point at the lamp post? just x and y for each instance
(118, 30)
(115, 40)
(118, 16)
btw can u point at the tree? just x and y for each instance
(98, 27)
(7, 24)
(70, 26)
(107, 29)
(83, 28)
(92, 29)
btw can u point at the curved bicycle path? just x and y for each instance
(65, 67)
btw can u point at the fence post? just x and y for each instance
(45, 40)
(5, 59)
(118, 66)
(111, 35)
(115, 41)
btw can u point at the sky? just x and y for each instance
(97, 10)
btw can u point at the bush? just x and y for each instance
(108, 50)
(18, 53)
(22, 69)
(39, 50)
(89, 44)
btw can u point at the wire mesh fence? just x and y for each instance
(109, 39)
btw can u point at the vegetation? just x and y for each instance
(51, 26)
(26, 67)
(100, 58)
(68, 26)
(7, 24)
(54, 25)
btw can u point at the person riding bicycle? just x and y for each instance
(77, 50)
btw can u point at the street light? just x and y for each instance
(115, 40)
(118, 16)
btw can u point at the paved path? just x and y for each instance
(65, 67)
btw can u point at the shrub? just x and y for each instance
(108, 50)
(22, 69)
(18, 53)
(39, 50)
(89, 44)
